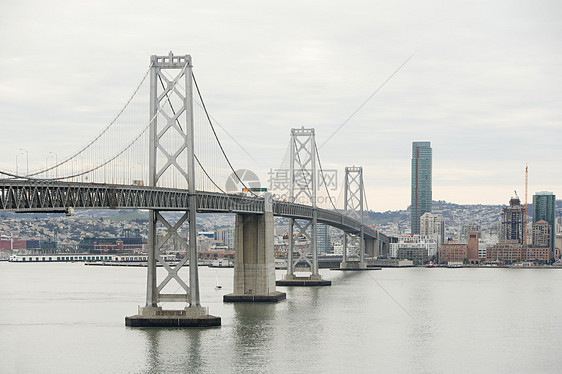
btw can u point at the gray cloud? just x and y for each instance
(484, 85)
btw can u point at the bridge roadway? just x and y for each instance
(57, 197)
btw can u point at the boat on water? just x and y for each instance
(222, 263)
(218, 286)
(431, 265)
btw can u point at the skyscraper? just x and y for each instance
(543, 209)
(421, 183)
(512, 222)
(322, 239)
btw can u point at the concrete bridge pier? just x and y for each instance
(254, 262)
(371, 247)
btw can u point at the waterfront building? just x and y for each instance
(510, 251)
(512, 221)
(204, 243)
(453, 253)
(466, 228)
(544, 209)
(433, 224)
(226, 237)
(417, 255)
(482, 249)
(558, 237)
(418, 248)
(421, 183)
(472, 247)
(129, 243)
(542, 234)
(12, 243)
(510, 247)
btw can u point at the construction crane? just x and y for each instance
(525, 211)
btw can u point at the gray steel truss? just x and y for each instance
(171, 152)
(354, 243)
(303, 189)
(57, 197)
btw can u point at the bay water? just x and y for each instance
(69, 318)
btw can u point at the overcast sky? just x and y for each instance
(484, 84)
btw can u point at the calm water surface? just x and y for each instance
(69, 318)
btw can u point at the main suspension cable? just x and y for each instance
(324, 178)
(99, 135)
(217, 138)
(181, 73)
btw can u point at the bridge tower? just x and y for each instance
(354, 243)
(303, 182)
(171, 157)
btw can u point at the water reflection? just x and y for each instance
(173, 350)
(254, 325)
(251, 323)
(152, 351)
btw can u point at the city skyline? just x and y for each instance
(483, 87)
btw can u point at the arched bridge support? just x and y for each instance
(254, 262)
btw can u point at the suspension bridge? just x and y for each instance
(172, 161)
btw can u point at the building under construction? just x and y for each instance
(513, 221)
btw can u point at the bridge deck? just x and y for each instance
(48, 196)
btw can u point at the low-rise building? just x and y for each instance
(453, 253)
(418, 248)
(510, 251)
(416, 254)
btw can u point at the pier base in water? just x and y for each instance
(188, 317)
(310, 281)
(354, 266)
(270, 298)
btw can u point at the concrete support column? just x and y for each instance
(254, 262)
(371, 248)
(344, 248)
(290, 248)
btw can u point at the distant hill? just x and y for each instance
(390, 221)
(455, 215)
